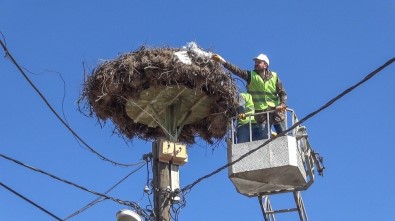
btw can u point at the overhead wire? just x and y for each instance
(64, 87)
(29, 201)
(8, 54)
(147, 191)
(189, 187)
(119, 201)
(177, 207)
(63, 97)
(100, 198)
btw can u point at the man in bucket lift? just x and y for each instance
(266, 89)
(245, 116)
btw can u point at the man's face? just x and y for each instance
(260, 65)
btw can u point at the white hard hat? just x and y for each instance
(262, 57)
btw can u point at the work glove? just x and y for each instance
(241, 116)
(218, 58)
(281, 108)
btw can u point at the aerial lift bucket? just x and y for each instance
(283, 164)
(277, 166)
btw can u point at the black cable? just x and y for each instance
(8, 54)
(122, 202)
(177, 207)
(29, 201)
(100, 198)
(188, 188)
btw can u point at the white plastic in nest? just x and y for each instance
(192, 46)
(183, 57)
(196, 51)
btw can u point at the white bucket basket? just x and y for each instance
(275, 167)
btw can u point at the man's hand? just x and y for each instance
(281, 108)
(218, 58)
(241, 116)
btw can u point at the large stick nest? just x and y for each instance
(113, 83)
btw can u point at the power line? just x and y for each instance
(189, 187)
(100, 198)
(63, 97)
(122, 202)
(8, 54)
(29, 201)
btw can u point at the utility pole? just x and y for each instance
(161, 182)
(168, 155)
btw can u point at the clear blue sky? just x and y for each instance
(318, 48)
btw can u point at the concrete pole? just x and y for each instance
(161, 182)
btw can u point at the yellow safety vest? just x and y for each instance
(263, 92)
(249, 109)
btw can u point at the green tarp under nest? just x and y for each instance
(153, 93)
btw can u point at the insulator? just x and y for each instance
(146, 189)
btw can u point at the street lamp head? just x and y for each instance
(127, 215)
